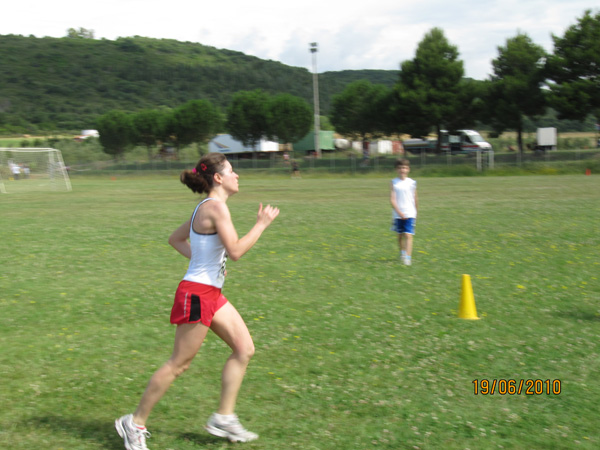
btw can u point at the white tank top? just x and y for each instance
(207, 264)
(405, 197)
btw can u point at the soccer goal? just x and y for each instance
(32, 169)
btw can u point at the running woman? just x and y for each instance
(208, 239)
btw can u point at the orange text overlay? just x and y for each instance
(502, 386)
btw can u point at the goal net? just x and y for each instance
(32, 169)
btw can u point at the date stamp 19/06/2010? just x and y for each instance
(503, 386)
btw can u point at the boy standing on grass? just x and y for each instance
(403, 197)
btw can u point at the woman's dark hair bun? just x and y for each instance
(200, 178)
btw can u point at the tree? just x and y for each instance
(515, 88)
(116, 131)
(289, 118)
(149, 126)
(248, 117)
(196, 121)
(575, 70)
(471, 98)
(356, 111)
(429, 86)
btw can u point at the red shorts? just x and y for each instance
(195, 302)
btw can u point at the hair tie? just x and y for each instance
(194, 170)
(203, 167)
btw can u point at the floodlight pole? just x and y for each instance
(313, 50)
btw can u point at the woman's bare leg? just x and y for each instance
(229, 326)
(188, 340)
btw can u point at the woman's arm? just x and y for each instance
(237, 247)
(179, 240)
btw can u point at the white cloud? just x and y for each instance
(378, 34)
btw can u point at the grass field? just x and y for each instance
(354, 350)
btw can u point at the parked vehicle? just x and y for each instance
(416, 146)
(464, 141)
(85, 134)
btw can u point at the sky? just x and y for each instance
(351, 34)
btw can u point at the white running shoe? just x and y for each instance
(134, 437)
(231, 429)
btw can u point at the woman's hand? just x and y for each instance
(235, 246)
(267, 215)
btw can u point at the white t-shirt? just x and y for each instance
(405, 197)
(207, 264)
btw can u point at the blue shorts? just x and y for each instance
(404, 226)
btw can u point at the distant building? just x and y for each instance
(225, 143)
(307, 143)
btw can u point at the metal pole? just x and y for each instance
(313, 50)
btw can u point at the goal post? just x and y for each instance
(32, 169)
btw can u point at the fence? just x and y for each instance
(352, 163)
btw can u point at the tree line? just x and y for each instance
(432, 93)
(62, 85)
(250, 117)
(141, 89)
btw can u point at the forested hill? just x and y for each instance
(65, 83)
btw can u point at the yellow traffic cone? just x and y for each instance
(466, 309)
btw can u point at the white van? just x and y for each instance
(464, 141)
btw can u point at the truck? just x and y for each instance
(545, 139)
(462, 141)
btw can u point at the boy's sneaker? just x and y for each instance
(230, 428)
(133, 436)
(407, 261)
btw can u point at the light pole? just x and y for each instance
(313, 50)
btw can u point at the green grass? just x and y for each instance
(354, 350)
